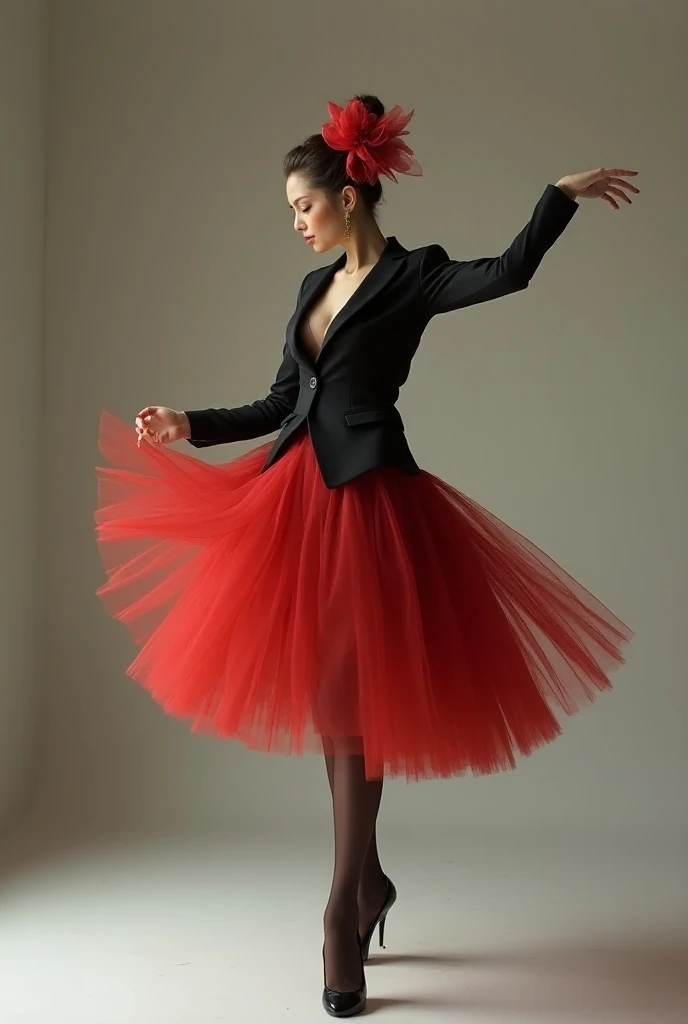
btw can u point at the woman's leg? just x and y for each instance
(372, 887)
(355, 805)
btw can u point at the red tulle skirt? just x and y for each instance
(392, 617)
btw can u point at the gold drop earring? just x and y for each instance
(347, 223)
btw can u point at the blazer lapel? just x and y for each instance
(372, 284)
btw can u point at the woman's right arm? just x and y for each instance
(205, 427)
(220, 426)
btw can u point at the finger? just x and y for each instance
(625, 184)
(618, 172)
(612, 202)
(620, 192)
(145, 433)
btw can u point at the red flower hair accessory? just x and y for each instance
(373, 141)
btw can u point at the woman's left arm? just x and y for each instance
(448, 284)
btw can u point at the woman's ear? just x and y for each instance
(349, 198)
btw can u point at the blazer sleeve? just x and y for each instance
(265, 415)
(447, 284)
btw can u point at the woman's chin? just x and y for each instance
(319, 246)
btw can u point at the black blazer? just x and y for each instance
(347, 395)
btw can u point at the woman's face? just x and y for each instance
(317, 218)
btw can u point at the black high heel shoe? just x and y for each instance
(345, 1004)
(390, 900)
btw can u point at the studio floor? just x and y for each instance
(136, 929)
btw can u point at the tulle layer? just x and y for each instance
(393, 617)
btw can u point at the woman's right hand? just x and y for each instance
(158, 425)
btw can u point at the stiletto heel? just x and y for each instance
(390, 900)
(345, 1004)
(382, 931)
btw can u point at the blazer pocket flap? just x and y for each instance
(360, 416)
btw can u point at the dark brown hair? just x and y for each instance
(325, 168)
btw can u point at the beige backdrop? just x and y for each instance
(561, 409)
(22, 180)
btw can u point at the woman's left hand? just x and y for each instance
(603, 183)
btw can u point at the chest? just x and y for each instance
(318, 317)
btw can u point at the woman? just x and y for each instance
(324, 591)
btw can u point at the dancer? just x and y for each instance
(323, 591)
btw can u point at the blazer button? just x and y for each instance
(313, 382)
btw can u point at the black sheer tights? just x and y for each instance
(359, 884)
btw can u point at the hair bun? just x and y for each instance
(372, 104)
